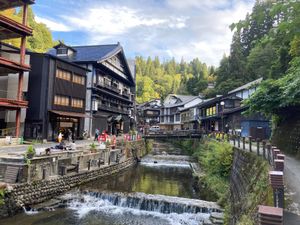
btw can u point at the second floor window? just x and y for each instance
(63, 74)
(61, 100)
(77, 103)
(78, 79)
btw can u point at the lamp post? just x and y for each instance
(222, 108)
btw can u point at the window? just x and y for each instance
(78, 79)
(61, 100)
(62, 51)
(77, 103)
(63, 74)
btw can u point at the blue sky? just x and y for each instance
(165, 28)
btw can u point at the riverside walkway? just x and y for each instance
(291, 179)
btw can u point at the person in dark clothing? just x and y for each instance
(96, 134)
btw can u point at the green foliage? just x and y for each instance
(29, 154)
(41, 40)
(215, 159)
(265, 44)
(2, 193)
(156, 80)
(93, 146)
(274, 95)
(30, 151)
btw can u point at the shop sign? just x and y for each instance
(66, 124)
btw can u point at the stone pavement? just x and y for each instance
(292, 182)
(4, 150)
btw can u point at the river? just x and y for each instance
(156, 191)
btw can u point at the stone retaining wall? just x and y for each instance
(40, 190)
(248, 170)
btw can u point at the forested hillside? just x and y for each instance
(265, 44)
(156, 79)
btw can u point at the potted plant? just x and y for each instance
(93, 147)
(30, 153)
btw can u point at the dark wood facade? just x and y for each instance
(110, 93)
(56, 99)
(12, 64)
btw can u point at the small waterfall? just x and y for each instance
(159, 161)
(178, 211)
(157, 203)
(30, 211)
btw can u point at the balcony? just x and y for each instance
(112, 109)
(9, 66)
(12, 29)
(127, 95)
(4, 4)
(109, 87)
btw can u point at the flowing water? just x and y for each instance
(157, 191)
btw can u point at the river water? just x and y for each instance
(141, 195)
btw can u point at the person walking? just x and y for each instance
(96, 134)
(59, 138)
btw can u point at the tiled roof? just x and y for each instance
(92, 53)
(246, 86)
(184, 98)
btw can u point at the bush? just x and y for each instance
(30, 152)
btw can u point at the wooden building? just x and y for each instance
(170, 113)
(148, 113)
(110, 94)
(225, 114)
(14, 68)
(56, 98)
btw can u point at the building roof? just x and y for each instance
(246, 86)
(95, 54)
(183, 98)
(60, 59)
(92, 53)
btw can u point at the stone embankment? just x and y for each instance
(24, 194)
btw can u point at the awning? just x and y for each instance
(69, 114)
(110, 119)
(118, 118)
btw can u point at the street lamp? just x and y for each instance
(222, 106)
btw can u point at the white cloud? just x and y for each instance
(111, 20)
(170, 28)
(53, 25)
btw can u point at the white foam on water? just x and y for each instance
(87, 203)
(30, 211)
(153, 162)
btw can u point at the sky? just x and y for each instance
(166, 28)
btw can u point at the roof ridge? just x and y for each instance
(84, 46)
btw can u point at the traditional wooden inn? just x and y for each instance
(170, 118)
(225, 113)
(148, 113)
(14, 67)
(110, 94)
(56, 98)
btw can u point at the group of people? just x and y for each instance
(104, 134)
(67, 134)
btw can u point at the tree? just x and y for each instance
(41, 40)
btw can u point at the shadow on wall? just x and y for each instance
(287, 134)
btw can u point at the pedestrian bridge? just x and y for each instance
(177, 134)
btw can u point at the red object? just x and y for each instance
(103, 137)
